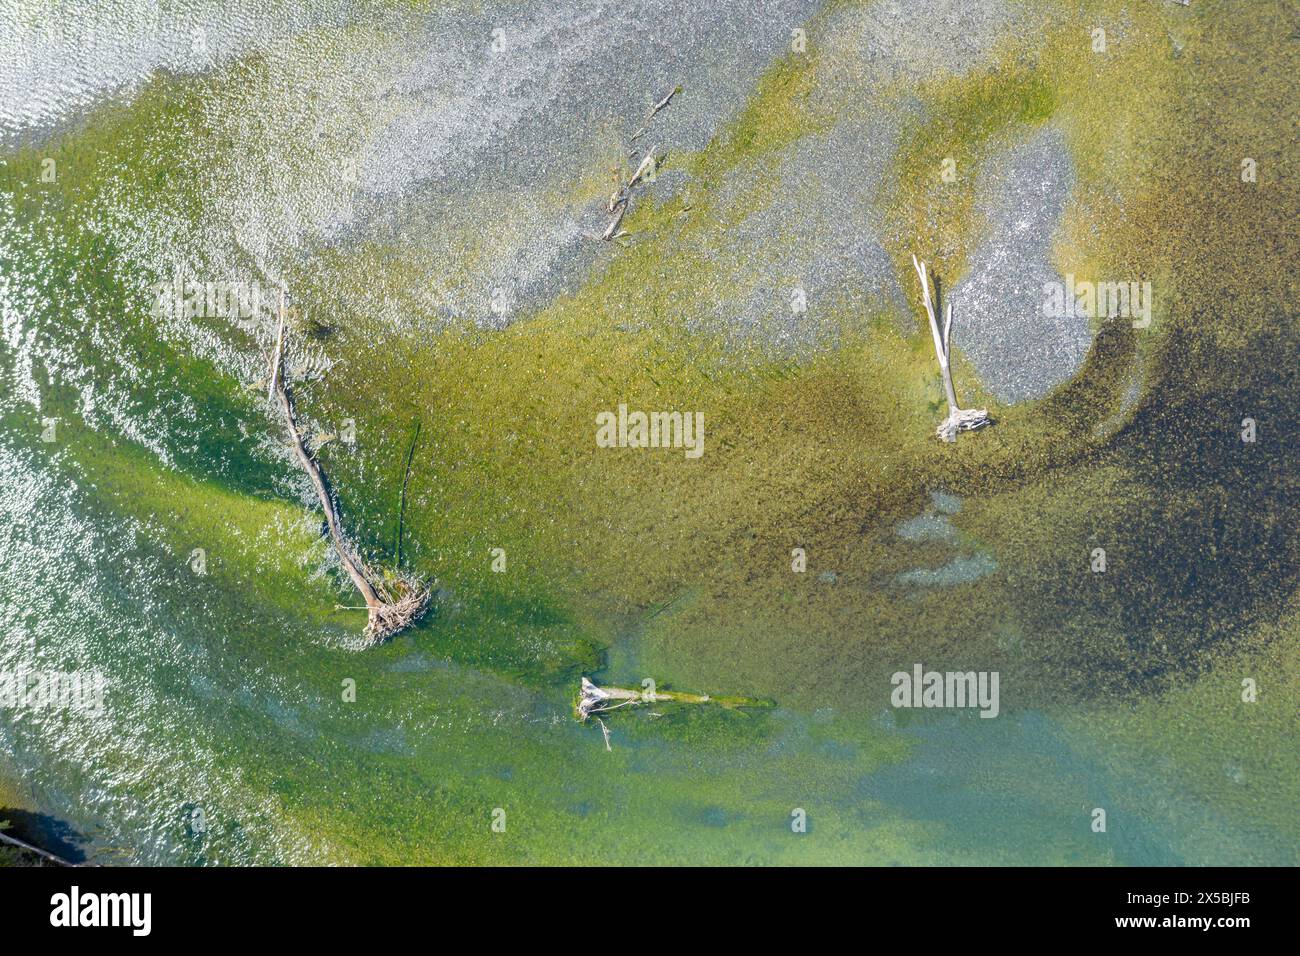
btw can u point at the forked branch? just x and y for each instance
(959, 419)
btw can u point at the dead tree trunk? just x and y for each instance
(594, 700)
(959, 419)
(622, 195)
(387, 614)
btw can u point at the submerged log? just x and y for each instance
(598, 700)
(388, 612)
(594, 701)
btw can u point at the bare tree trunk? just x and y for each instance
(595, 700)
(959, 419)
(385, 616)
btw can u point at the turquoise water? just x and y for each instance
(229, 734)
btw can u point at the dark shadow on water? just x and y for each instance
(47, 832)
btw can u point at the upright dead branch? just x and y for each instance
(959, 419)
(388, 613)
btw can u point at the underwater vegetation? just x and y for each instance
(431, 182)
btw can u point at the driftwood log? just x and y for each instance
(622, 195)
(959, 419)
(593, 701)
(391, 607)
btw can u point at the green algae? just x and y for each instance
(1225, 751)
(824, 453)
(961, 121)
(260, 546)
(777, 114)
(976, 109)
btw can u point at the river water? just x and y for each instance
(153, 529)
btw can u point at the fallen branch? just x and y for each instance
(611, 230)
(663, 104)
(647, 165)
(622, 195)
(598, 700)
(594, 701)
(43, 854)
(388, 613)
(959, 419)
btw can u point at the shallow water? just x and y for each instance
(1019, 352)
(405, 171)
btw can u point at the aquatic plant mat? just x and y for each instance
(1117, 545)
